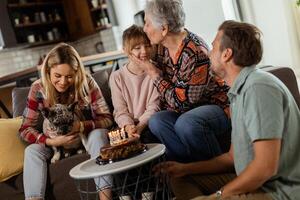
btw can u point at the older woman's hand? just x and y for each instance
(149, 68)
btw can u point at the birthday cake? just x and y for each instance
(120, 146)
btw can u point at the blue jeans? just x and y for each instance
(191, 136)
(35, 165)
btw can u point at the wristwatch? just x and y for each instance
(219, 194)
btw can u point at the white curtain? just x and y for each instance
(230, 10)
(292, 12)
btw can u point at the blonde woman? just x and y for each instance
(63, 81)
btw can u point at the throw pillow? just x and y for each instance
(11, 148)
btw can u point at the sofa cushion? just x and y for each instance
(102, 79)
(19, 98)
(11, 148)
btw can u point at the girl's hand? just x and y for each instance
(131, 130)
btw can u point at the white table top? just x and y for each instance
(90, 169)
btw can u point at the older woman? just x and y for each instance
(196, 103)
(63, 81)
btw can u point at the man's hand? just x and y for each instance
(149, 68)
(171, 168)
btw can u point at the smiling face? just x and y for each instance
(136, 43)
(62, 77)
(155, 33)
(141, 51)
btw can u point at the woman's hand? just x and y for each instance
(171, 168)
(131, 129)
(149, 68)
(63, 140)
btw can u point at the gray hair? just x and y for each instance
(167, 12)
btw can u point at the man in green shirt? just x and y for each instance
(265, 129)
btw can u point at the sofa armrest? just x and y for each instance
(287, 76)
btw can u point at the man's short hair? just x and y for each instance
(244, 40)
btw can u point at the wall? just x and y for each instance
(125, 10)
(203, 17)
(292, 12)
(278, 33)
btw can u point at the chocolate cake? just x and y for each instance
(120, 146)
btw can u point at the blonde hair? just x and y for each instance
(64, 54)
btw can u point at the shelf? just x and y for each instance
(33, 24)
(104, 6)
(28, 5)
(43, 43)
(103, 27)
(37, 18)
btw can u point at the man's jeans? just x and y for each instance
(192, 135)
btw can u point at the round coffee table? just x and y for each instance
(132, 177)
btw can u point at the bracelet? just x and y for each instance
(81, 127)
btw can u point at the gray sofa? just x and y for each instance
(60, 185)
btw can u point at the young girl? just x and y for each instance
(134, 96)
(64, 81)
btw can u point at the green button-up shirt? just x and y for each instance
(263, 108)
